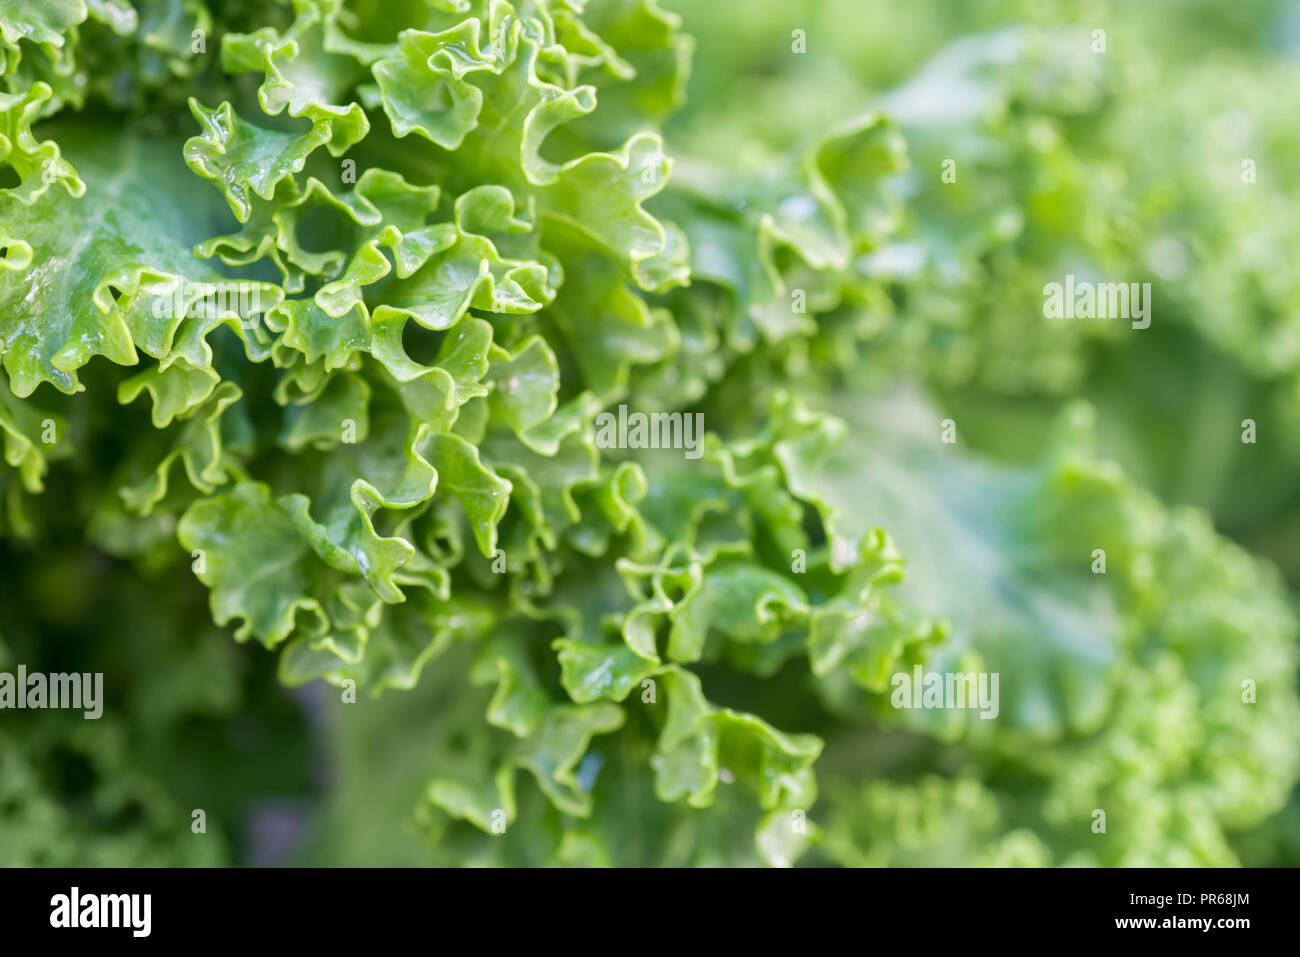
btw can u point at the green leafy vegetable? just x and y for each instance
(578, 456)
